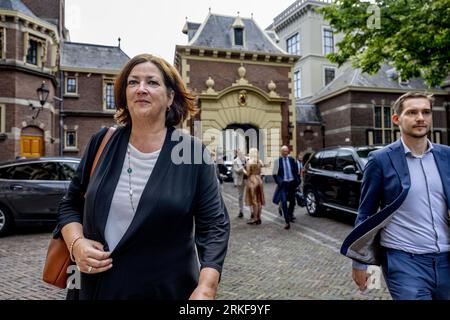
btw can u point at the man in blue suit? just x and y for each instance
(403, 217)
(287, 178)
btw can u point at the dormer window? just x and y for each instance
(238, 31)
(238, 37)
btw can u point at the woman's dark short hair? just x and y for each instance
(183, 101)
(398, 104)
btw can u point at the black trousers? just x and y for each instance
(287, 194)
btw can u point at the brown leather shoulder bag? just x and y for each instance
(58, 256)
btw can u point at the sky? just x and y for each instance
(149, 26)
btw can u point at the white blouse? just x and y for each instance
(121, 212)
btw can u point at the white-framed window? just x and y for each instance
(108, 95)
(70, 139)
(36, 50)
(2, 43)
(329, 73)
(238, 36)
(293, 44)
(328, 40)
(383, 129)
(2, 118)
(297, 84)
(71, 85)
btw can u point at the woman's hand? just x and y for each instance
(207, 285)
(90, 256)
(203, 293)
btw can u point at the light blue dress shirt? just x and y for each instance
(420, 225)
(287, 170)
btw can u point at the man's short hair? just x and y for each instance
(398, 104)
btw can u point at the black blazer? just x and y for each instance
(180, 213)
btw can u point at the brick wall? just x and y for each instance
(7, 89)
(27, 84)
(362, 117)
(14, 44)
(8, 148)
(309, 137)
(90, 90)
(334, 102)
(86, 128)
(358, 117)
(338, 139)
(21, 85)
(225, 73)
(338, 119)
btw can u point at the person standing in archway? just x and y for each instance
(254, 188)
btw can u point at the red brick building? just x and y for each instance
(243, 80)
(341, 105)
(34, 48)
(356, 108)
(88, 92)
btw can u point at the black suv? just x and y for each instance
(332, 178)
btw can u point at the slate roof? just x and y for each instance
(306, 112)
(190, 28)
(217, 32)
(385, 78)
(16, 5)
(91, 56)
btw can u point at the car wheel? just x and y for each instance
(6, 221)
(313, 206)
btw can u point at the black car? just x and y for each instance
(30, 190)
(229, 171)
(332, 178)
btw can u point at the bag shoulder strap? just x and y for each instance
(105, 140)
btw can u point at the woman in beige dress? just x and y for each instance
(254, 188)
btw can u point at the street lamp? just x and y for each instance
(290, 129)
(42, 92)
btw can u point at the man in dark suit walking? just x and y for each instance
(287, 178)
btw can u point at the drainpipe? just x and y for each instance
(61, 113)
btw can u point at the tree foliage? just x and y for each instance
(412, 35)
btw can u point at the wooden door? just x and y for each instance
(31, 146)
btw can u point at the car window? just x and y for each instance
(344, 158)
(5, 173)
(327, 162)
(314, 162)
(68, 170)
(364, 154)
(45, 171)
(20, 172)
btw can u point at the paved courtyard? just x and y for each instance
(263, 262)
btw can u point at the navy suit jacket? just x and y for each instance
(385, 185)
(279, 176)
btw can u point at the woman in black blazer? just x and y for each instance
(146, 225)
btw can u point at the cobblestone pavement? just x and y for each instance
(263, 262)
(267, 262)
